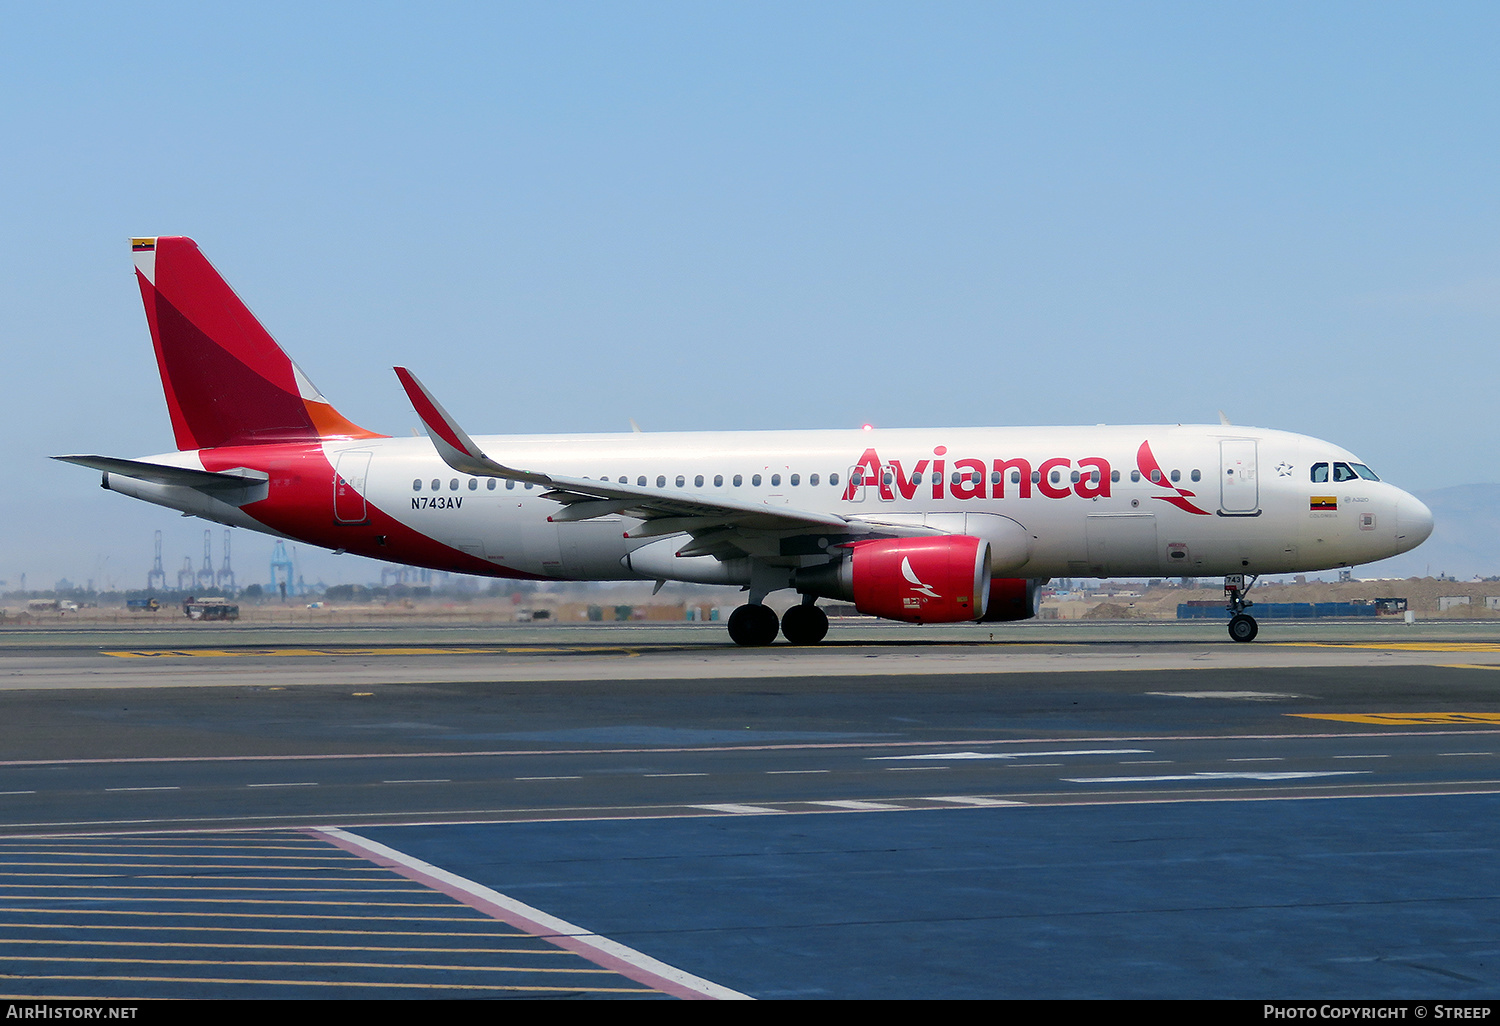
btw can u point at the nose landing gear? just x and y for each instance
(1242, 626)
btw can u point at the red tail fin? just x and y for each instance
(226, 380)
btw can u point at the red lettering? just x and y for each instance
(1045, 485)
(1093, 477)
(1095, 484)
(907, 488)
(1002, 467)
(865, 472)
(969, 486)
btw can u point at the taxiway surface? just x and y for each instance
(729, 813)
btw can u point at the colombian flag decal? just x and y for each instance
(137, 245)
(1323, 502)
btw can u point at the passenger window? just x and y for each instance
(1176, 476)
(718, 480)
(813, 480)
(1135, 475)
(775, 480)
(1114, 476)
(453, 485)
(681, 480)
(1015, 477)
(416, 485)
(1075, 477)
(698, 481)
(1036, 477)
(528, 486)
(755, 480)
(1197, 475)
(436, 485)
(661, 480)
(511, 484)
(490, 484)
(1319, 473)
(796, 479)
(739, 479)
(473, 484)
(833, 480)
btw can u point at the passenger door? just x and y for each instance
(1239, 488)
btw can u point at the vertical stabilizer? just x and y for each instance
(226, 380)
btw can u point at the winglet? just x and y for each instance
(450, 439)
(453, 444)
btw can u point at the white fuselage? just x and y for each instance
(1059, 501)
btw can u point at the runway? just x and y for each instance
(756, 787)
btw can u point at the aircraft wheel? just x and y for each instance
(1243, 627)
(753, 625)
(805, 625)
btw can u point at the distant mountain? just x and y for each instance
(1465, 540)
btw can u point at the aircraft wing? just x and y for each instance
(718, 526)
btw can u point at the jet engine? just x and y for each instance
(920, 580)
(1012, 598)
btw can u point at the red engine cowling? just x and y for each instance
(1011, 598)
(919, 580)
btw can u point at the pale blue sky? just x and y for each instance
(712, 216)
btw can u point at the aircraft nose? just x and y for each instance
(1413, 520)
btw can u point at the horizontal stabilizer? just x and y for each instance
(185, 477)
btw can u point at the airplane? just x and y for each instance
(930, 525)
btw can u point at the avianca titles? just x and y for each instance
(924, 526)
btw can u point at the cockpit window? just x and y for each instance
(1343, 472)
(1364, 472)
(1319, 473)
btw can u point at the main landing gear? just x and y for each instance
(754, 625)
(805, 624)
(1242, 626)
